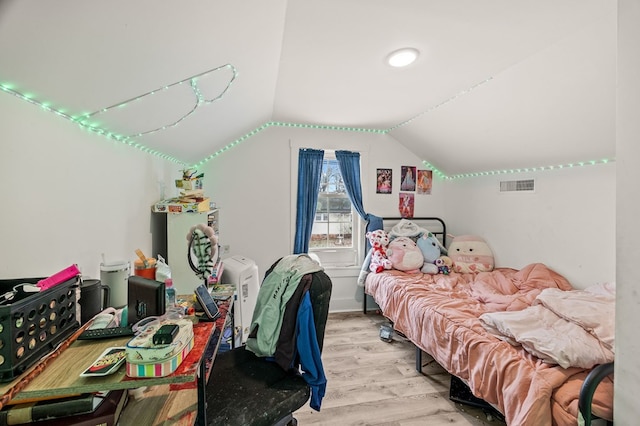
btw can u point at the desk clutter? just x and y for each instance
(43, 321)
(191, 198)
(65, 338)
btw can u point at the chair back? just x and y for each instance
(320, 294)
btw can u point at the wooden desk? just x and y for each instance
(180, 394)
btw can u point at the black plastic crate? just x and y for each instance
(33, 324)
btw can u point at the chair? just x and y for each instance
(245, 389)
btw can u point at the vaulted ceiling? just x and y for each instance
(498, 84)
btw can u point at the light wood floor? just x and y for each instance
(371, 382)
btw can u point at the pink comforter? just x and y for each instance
(439, 313)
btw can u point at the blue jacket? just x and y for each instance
(309, 353)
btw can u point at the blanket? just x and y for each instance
(570, 328)
(440, 314)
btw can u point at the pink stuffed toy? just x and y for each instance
(470, 253)
(379, 240)
(405, 255)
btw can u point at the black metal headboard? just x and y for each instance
(435, 225)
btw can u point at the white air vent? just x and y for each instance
(526, 185)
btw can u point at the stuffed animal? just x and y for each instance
(430, 248)
(470, 253)
(405, 255)
(204, 247)
(379, 240)
(444, 264)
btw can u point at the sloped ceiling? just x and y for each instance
(499, 84)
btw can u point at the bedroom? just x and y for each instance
(79, 195)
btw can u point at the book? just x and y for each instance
(106, 413)
(46, 409)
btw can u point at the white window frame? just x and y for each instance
(337, 256)
(331, 258)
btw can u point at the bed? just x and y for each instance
(458, 319)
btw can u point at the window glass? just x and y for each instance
(333, 228)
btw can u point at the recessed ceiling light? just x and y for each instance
(402, 57)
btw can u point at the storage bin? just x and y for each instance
(32, 324)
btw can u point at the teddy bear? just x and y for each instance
(204, 247)
(379, 240)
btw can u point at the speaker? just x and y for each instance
(146, 298)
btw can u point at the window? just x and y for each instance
(335, 224)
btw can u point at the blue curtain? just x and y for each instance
(309, 171)
(349, 163)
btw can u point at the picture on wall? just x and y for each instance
(424, 181)
(408, 178)
(405, 204)
(383, 182)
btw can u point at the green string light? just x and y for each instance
(441, 104)
(82, 122)
(94, 127)
(531, 169)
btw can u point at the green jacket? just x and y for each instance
(276, 290)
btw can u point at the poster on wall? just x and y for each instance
(383, 182)
(424, 181)
(405, 205)
(408, 178)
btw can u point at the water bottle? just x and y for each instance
(170, 292)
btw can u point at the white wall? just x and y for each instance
(68, 196)
(254, 186)
(75, 195)
(568, 223)
(627, 368)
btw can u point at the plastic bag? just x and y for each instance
(163, 271)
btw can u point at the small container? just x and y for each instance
(170, 292)
(148, 271)
(115, 275)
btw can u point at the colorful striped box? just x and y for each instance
(142, 350)
(159, 369)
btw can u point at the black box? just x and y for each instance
(33, 324)
(145, 297)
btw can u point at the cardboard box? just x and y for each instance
(189, 184)
(173, 205)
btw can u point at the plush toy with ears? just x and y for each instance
(430, 248)
(379, 240)
(204, 245)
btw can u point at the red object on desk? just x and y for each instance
(200, 346)
(59, 277)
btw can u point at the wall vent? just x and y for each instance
(525, 185)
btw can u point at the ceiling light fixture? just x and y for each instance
(402, 57)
